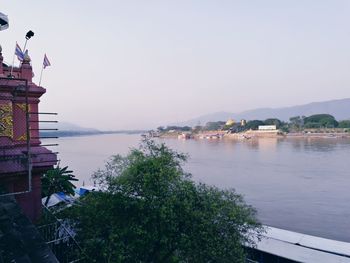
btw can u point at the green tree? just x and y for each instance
(186, 128)
(57, 180)
(344, 124)
(151, 211)
(214, 125)
(233, 125)
(177, 128)
(253, 125)
(320, 121)
(273, 121)
(297, 122)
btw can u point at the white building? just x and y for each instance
(267, 127)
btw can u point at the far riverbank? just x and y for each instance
(253, 134)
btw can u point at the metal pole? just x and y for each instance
(28, 140)
(41, 74)
(13, 61)
(24, 48)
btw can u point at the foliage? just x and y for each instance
(297, 122)
(151, 211)
(284, 128)
(320, 121)
(344, 124)
(57, 180)
(214, 125)
(174, 128)
(273, 121)
(230, 126)
(253, 125)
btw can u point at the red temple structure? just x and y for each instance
(23, 159)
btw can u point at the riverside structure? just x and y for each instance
(23, 159)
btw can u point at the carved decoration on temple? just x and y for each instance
(23, 137)
(22, 106)
(6, 120)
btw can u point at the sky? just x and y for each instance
(137, 64)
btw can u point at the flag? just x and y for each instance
(46, 62)
(19, 53)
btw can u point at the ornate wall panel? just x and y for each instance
(6, 120)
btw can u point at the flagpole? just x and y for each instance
(25, 44)
(13, 61)
(46, 63)
(41, 74)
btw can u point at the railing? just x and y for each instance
(59, 236)
(18, 152)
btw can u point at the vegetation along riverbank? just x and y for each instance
(318, 125)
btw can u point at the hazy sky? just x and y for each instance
(140, 64)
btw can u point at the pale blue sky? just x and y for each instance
(140, 64)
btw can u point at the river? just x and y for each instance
(296, 184)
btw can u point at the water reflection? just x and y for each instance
(317, 144)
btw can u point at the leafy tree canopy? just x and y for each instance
(297, 122)
(320, 121)
(151, 211)
(214, 125)
(254, 124)
(344, 124)
(176, 128)
(273, 121)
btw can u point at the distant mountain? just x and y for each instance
(340, 109)
(66, 129)
(67, 126)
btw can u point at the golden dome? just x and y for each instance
(230, 122)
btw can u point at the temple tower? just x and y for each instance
(23, 159)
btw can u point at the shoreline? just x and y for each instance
(255, 135)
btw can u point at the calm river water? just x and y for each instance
(296, 184)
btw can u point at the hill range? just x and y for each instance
(67, 129)
(340, 109)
